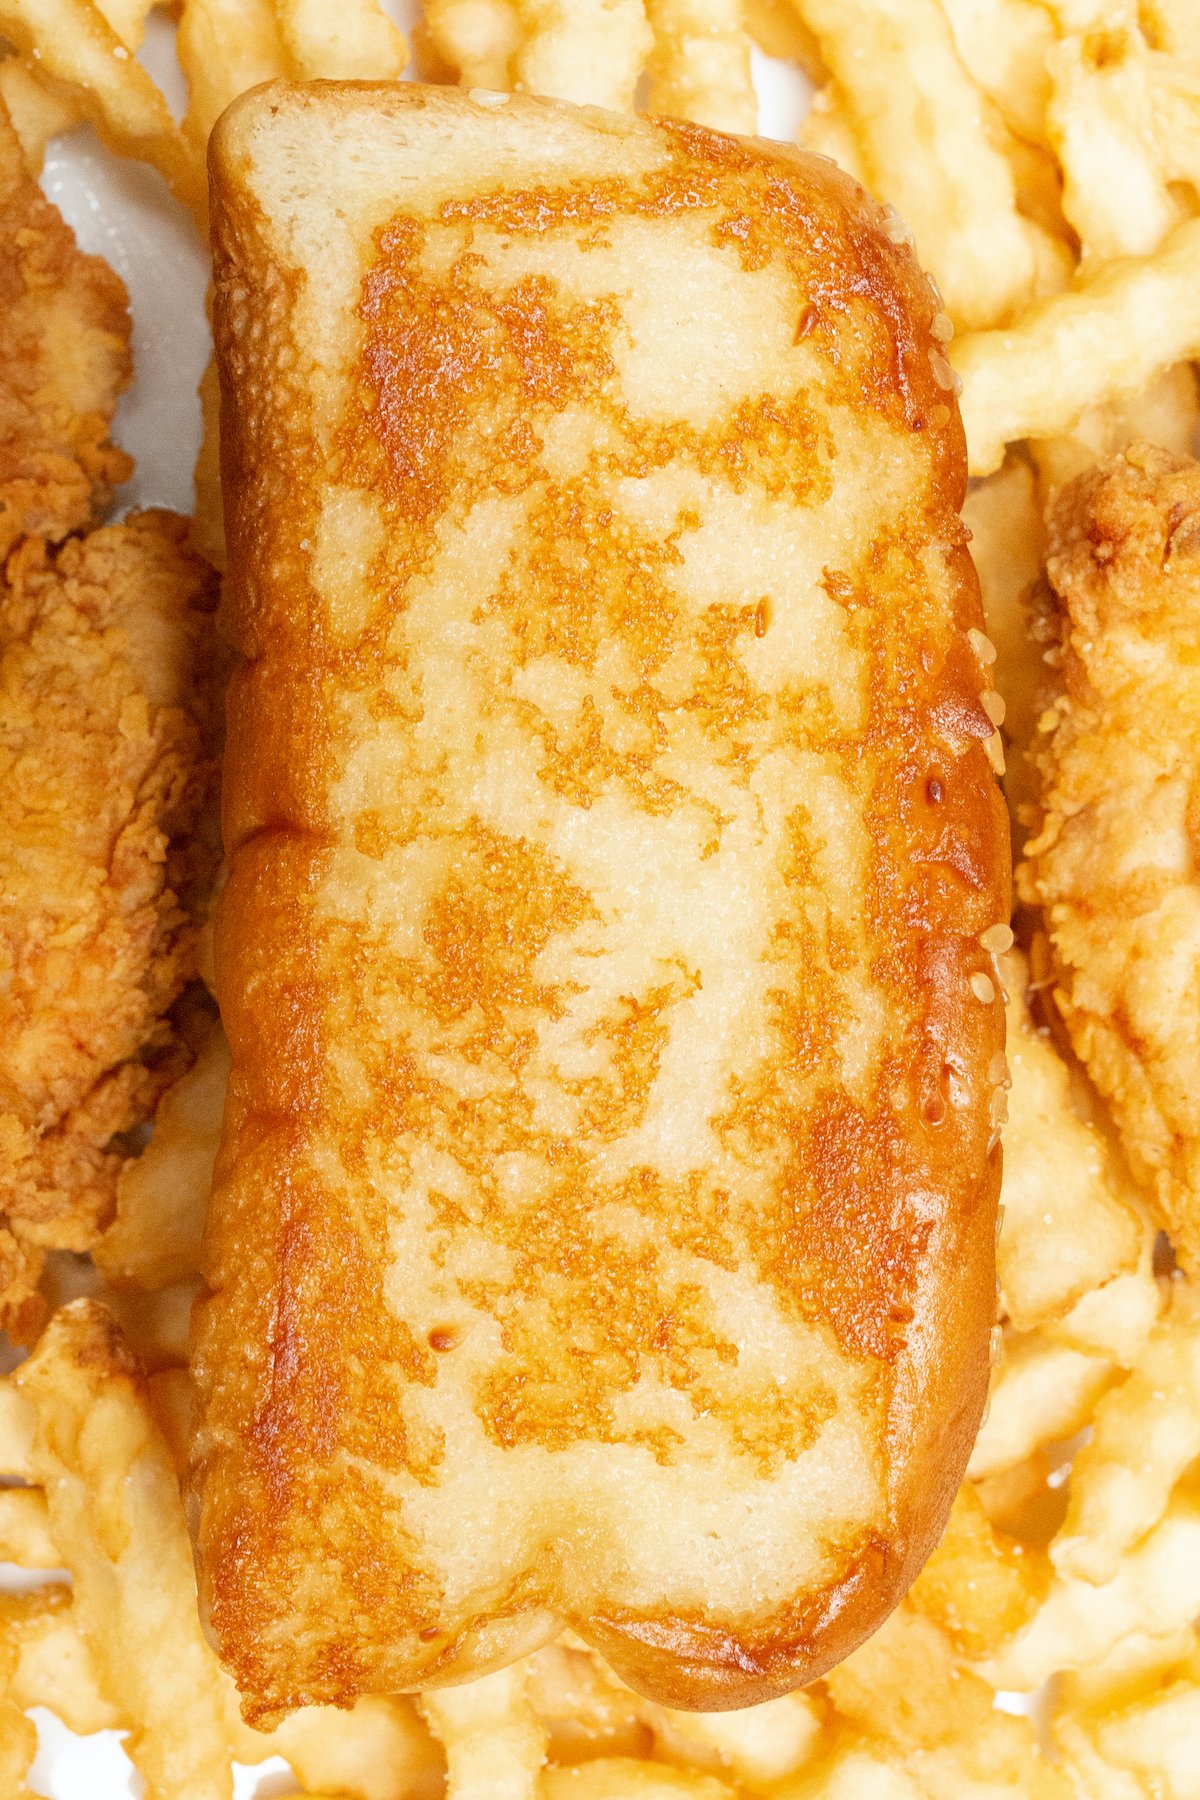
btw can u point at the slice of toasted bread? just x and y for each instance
(604, 1226)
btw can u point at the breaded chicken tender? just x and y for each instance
(604, 1226)
(1113, 859)
(105, 767)
(64, 360)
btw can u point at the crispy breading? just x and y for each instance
(1113, 858)
(64, 360)
(105, 768)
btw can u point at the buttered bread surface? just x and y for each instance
(605, 1219)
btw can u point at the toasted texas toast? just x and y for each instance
(604, 1227)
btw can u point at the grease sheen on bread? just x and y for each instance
(605, 1219)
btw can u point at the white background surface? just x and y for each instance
(123, 212)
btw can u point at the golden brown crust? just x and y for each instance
(840, 1186)
(1112, 856)
(64, 360)
(105, 766)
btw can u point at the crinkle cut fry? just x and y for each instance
(1112, 862)
(590, 51)
(1155, 1593)
(1007, 544)
(475, 39)
(18, 1735)
(827, 130)
(42, 106)
(1071, 1223)
(1103, 116)
(1145, 1435)
(910, 1706)
(114, 1511)
(39, 109)
(1004, 44)
(700, 65)
(53, 1664)
(922, 123)
(1042, 1390)
(162, 1196)
(587, 1711)
(74, 42)
(608, 1777)
(225, 47)
(1107, 338)
(778, 30)
(106, 713)
(1166, 413)
(980, 1585)
(493, 1739)
(354, 40)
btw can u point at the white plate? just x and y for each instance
(123, 212)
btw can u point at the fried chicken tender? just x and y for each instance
(105, 769)
(64, 360)
(1113, 859)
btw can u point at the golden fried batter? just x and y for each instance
(105, 764)
(604, 1225)
(1113, 861)
(64, 359)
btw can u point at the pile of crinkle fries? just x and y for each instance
(1045, 157)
